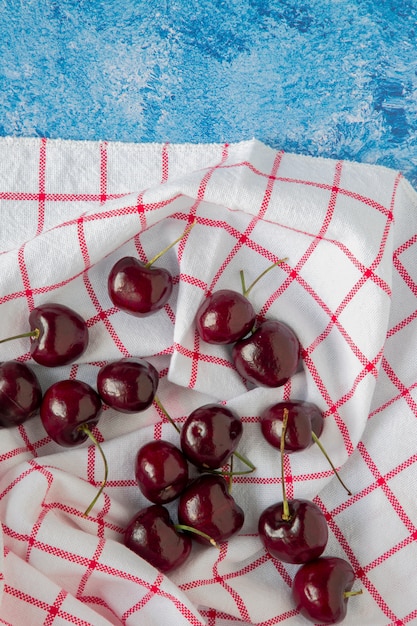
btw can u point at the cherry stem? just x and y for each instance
(317, 441)
(171, 245)
(190, 529)
(350, 594)
(165, 412)
(286, 515)
(230, 474)
(247, 290)
(244, 460)
(85, 429)
(32, 333)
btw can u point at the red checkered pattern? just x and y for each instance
(348, 288)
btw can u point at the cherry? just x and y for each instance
(152, 535)
(227, 315)
(269, 356)
(140, 288)
(128, 385)
(224, 317)
(304, 418)
(20, 393)
(297, 538)
(321, 589)
(304, 427)
(66, 407)
(161, 471)
(207, 506)
(210, 434)
(69, 410)
(58, 335)
(293, 531)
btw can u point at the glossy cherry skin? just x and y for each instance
(268, 357)
(161, 471)
(318, 589)
(137, 289)
(207, 506)
(128, 385)
(224, 317)
(67, 405)
(152, 535)
(63, 335)
(20, 393)
(304, 418)
(302, 538)
(210, 435)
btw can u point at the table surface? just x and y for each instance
(332, 78)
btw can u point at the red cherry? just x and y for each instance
(128, 385)
(210, 434)
(298, 539)
(161, 471)
(224, 317)
(67, 407)
(227, 315)
(58, 335)
(304, 427)
(206, 505)
(20, 393)
(140, 288)
(137, 289)
(321, 589)
(304, 418)
(152, 535)
(268, 357)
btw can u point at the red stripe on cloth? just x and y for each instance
(42, 186)
(103, 172)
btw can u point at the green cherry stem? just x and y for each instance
(230, 474)
(85, 429)
(171, 245)
(165, 412)
(190, 529)
(244, 460)
(350, 594)
(34, 334)
(318, 442)
(286, 515)
(247, 290)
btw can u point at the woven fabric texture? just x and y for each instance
(347, 286)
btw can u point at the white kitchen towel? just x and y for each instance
(347, 287)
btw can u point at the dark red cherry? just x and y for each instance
(300, 538)
(67, 406)
(268, 357)
(20, 393)
(128, 385)
(321, 589)
(140, 288)
(152, 535)
(137, 289)
(58, 335)
(210, 435)
(227, 315)
(161, 471)
(207, 506)
(304, 418)
(224, 317)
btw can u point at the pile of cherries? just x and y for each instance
(265, 353)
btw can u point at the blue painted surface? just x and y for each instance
(334, 78)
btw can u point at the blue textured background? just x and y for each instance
(333, 78)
